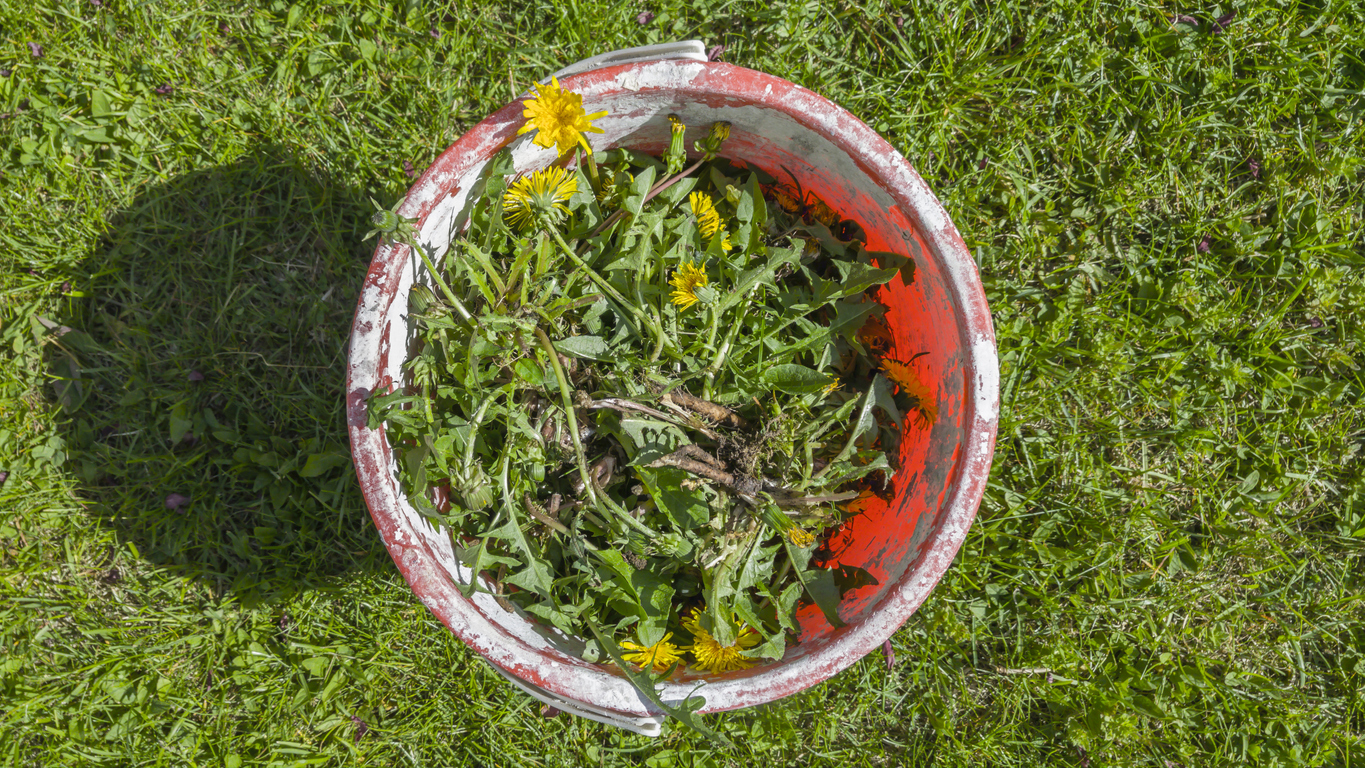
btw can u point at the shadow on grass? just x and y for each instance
(203, 379)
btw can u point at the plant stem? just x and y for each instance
(591, 163)
(610, 290)
(474, 430)
(566, 395)
(715, 366)
(606, 505)
(441, 283)
(653, 193)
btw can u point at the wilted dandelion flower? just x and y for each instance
(708, 218)
(800, 537)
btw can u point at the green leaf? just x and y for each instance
(587, 347)
(757, 568)
(536, 576)
(319, 463)
(687, 509)
(180, 421)
(905, 265)
(99, 104)
(532, 372)
(818, 584)
(755, 193)
(98, 135)
(858, 277)
(647, 439)
(796, 379)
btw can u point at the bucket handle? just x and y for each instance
(645, 726)
(692, 50)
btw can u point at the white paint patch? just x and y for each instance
(986, 366)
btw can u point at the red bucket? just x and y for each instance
(906, 545)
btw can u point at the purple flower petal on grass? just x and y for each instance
(6, 72)
(548, 712)
(1223, 22)
(714, 53)
(195, 376)
(436, 33)
(900, 22)
(1204, 244)
(644, 18)
(97, 3)
(981, 166)
(66, 286)
(1314, 322)
(1181, 18)
(176, 500)
(3, 477)
(1254, 167)
(165, 89)
(360, 727)
(224, 28)
(407, 169)
(36, 50)
(890, 654)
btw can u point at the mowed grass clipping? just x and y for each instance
(1166, 203)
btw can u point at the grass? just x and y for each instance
(1166, 569)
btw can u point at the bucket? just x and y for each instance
(941, 316)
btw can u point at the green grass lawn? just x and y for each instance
(1166, 569)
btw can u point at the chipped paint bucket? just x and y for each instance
(782, 128)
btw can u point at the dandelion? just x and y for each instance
(708, 218)
(685, 282)
(660, 656)
(800, 537)
(713, 657)
(831, 387)
(911, 383)
(539, 198)
(876, 336)
(558, 118)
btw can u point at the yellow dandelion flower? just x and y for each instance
(558, 118)
(542, 194)
(914, 385)
(660, 656)
(685, 282)
(830, 388)
(800, 537)
(713, 657)
(708, 218)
